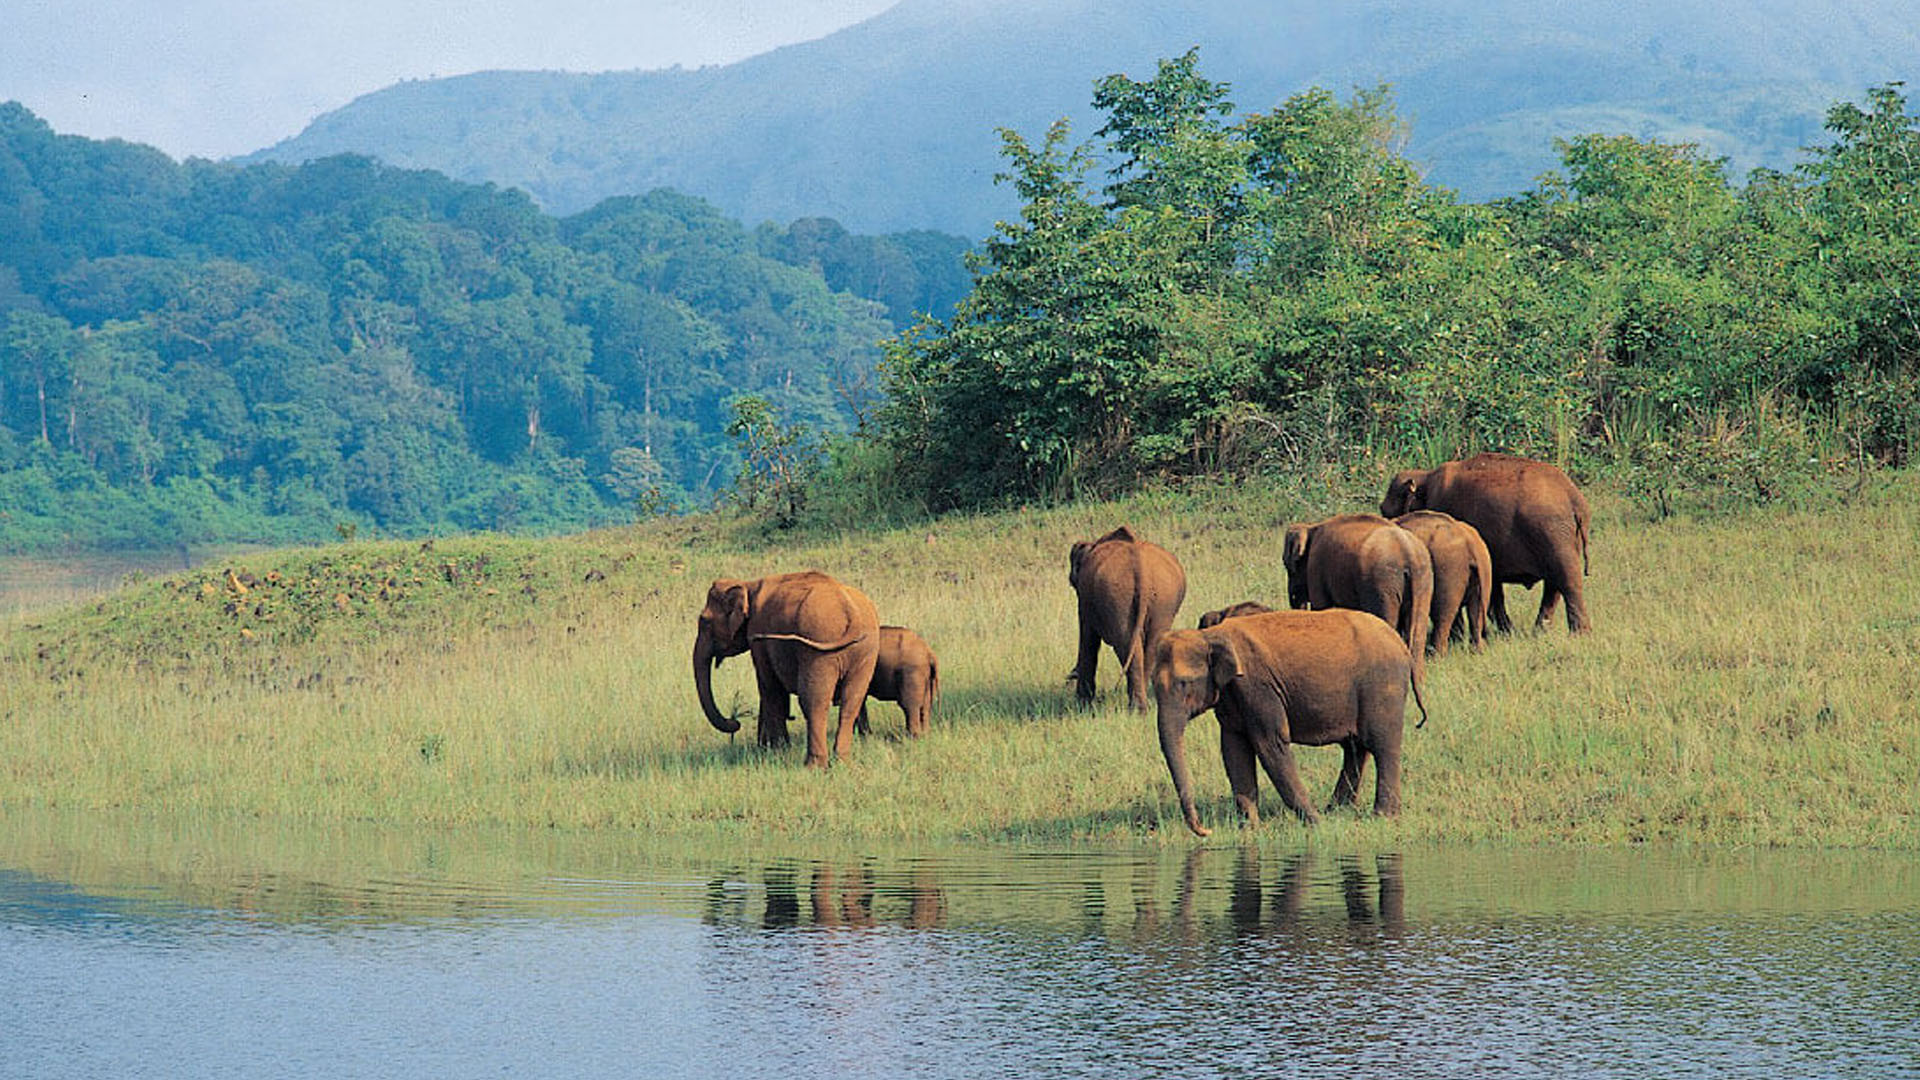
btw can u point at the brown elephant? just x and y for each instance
(1129, 591)
(1245, 607)
(906, 671)
(1534, 520)
(1285, 678)
(1367, 563)
(1462, 576)
(809, 636)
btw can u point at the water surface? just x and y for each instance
(211, 950)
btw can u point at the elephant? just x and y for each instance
(1129, 590)
(1462, 576)
(808, 634)
(1534, 520)
(907, 672)
(1367, 563)
(1245, 607)
(1283, 678)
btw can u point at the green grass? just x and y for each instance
(1751, 681)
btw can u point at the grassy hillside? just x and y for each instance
(1751, 681)
(914, 96)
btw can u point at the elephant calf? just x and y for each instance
(906, 672)
(1281, 678)
(1462, 575)
(1129, 590)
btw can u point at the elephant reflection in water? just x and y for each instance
(851, 896)
(1373, 902)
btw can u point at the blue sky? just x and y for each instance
(213, 78)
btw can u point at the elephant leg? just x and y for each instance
(861, 725)
(1088, 663)
(1476, 620)
(1497, 607)
(1386, 779)
(1549, 603)
(1243, 774)
(854, 684)
(916, 707)
(1572, 586)
(1353, 764)
(1136, 672)
(1577, 621)
(816, 706)
(774, 706)
(1277, 757)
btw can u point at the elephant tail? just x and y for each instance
(1580, 530)
(823, 646)
(1414, 680)
(1137, 641)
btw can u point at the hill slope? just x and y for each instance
(890, 124)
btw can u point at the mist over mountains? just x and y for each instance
(891, 124)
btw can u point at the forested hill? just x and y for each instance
(201, 351)
(890, 124)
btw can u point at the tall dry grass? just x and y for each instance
(1751, 680)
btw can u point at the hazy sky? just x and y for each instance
(212, 78)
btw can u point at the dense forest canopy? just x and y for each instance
(195, 351)
(1194, 290)
(203, 351)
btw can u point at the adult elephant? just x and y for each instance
(1367, 563)
(1462, 576)
(1534, 520)
(1280, 679)
(809, 635)
(1129, 590)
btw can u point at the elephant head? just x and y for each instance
(1245, 607)
(1404, 494)
(1293, 556)
(1190, 669)
(722, 633)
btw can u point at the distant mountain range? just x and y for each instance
(891, 124)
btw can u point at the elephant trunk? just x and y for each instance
(1173, 744)
(704, 661)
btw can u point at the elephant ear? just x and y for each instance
(1223, 661)
(734, 602)
(1403, 493)
(1074, 559)
(1293, 553)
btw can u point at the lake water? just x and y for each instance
(175, 949)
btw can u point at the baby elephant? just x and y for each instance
(1462, 575)
(906, 672)
(1282, 678)
(1245, 607)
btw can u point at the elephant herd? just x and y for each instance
(1375, 593)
